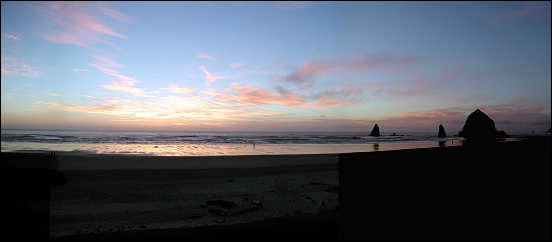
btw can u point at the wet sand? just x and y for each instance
(114, 197)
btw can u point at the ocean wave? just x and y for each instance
(228, 138)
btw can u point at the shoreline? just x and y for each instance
(222, 149)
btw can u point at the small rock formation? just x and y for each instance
(441, 132)
(502, 134)
(479, 127)
(375, 131)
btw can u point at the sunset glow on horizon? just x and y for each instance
(275, 66)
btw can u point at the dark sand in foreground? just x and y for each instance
(300, 195)
(96, 201)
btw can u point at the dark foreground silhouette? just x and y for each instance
(493, 191)
(497, 191)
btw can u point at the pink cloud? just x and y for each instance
(78, 24)
(210, 78)
(65, 38)
(249, 96)
(166, 108)
(254, 96)
(78, 108)
(107, 61)
(125, 86)
(114, 73)
(335, 98)
(114, 13)
(125, 83)
(365, 62)
(14, 67)
(12, 37)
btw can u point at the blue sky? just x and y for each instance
(274, 66)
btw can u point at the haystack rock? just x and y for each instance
(441, 132)
(375, 131)
(479, 127)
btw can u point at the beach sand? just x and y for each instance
(501, 191)
(113, 193)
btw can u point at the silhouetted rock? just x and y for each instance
(479, 127)
(375, 131)
(502, 134)
(441, 132)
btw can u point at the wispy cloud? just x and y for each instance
(210, 78)
(114, 13)
(370, 61)
(125, 83)
(107, 61)
(205, 56)
(126, 86)
(78, 24)
(14, 67)
(250, 96)
(79, 108)
(335, 98)
(114, 73)
(165, 108)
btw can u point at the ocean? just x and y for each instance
(214, 143)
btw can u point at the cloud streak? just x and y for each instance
(78, 24)
(370, 61)
(125, 83)
(210, 77)
(250, 96)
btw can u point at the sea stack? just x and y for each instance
(375, 131)
(479, 127)
(441, 132)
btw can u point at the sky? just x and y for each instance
(274, 66)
